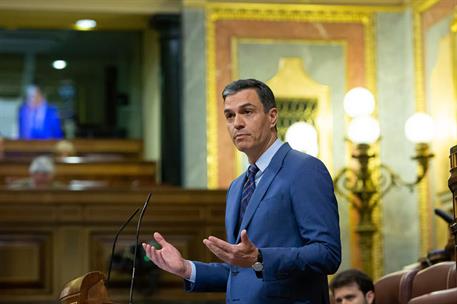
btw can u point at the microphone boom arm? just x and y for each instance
(136, 246)
(114, 244)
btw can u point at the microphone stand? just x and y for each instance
(136, 246)
(115, 242)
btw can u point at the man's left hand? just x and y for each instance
(243, 254)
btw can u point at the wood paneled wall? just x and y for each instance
(111, 172)
(50, 237)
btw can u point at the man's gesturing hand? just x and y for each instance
(243, 254)
(168, 258)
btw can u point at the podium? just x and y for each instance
(87, 289)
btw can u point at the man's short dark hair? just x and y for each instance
(265, 94)
(351, 276)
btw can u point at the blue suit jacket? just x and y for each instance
(293, 218)
(49, 128)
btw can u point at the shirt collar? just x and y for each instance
(265, 159)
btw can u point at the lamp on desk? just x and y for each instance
(365, 184)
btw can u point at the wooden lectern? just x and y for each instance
(87, 289)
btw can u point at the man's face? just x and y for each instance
(251, 129)
(351, 294)
(34, 97)
(42, 179)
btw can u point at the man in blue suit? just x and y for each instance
(283, 236)
(38, 119)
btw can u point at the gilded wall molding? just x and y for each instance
(454, 50)
(211, 106)
(277, 12)
(419, 7)
(370, 65)
(322, 13)
(325, 132)
(194, 3)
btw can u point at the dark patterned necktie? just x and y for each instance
(248, 189)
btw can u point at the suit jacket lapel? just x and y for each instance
(262, 187)
(233, 208)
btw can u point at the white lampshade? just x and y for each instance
(358, 102)
(419, 128)
(302, 136)
(364, 130)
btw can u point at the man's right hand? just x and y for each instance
(168, 258)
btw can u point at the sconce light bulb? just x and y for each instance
(358, 101)
(419, 128)
(364, 130)
(302, 136)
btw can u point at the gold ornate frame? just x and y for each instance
(419, 7)
(278, 12)
(313, 90)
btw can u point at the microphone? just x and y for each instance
(136, 246)
(115, 242)
(444, 215)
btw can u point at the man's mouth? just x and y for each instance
(240, 135)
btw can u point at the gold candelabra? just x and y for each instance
(364, 185)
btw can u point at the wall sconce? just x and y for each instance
(366, 184)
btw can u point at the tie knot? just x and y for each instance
(252, 171)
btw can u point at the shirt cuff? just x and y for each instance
(193, 274)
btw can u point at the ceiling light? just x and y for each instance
(59, 64)
(85, 24)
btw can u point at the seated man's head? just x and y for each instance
(352, 286)
(64, 148)
(33, 95)
(42, 172)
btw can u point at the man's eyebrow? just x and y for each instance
(243, 106)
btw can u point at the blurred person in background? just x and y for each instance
(38, 119)
(64, 148)
(41, 175)
(352, 286)
(2, 147)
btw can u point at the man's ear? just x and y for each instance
(369, 296)
(273, 116)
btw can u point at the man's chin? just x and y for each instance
(242, 147)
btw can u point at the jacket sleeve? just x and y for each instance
(55, 124)
(316, 213)
(209, 277)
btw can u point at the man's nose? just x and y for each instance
(238, 122)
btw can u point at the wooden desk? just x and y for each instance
(50, 237)
(125, 148)
(113, 172)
